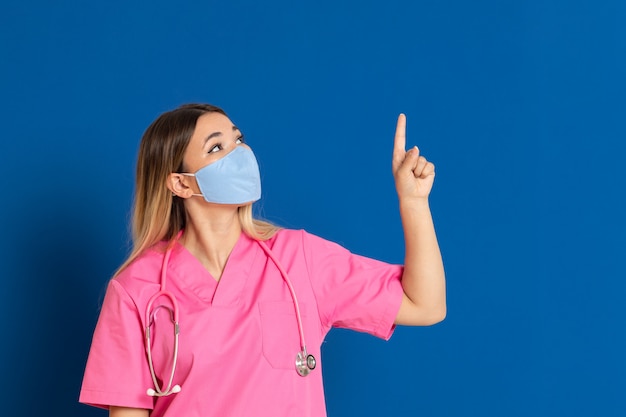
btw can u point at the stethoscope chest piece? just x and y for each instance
(305, 363)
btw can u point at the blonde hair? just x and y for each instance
(157, 214)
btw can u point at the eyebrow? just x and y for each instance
(215, 135)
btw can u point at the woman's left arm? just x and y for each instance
(423, 280)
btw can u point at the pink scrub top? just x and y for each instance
(239, 335)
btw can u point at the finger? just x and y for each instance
(419, 166)
(400, 138)
(429, 169)
(399, 142)
(409, 162)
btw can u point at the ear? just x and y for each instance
(179, 185)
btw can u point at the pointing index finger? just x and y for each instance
(400, 138)
(399, 143)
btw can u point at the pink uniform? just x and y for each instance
(239, 336)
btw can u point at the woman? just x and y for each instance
(254, 302)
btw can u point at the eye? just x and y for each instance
(216, 148)
(240, 140)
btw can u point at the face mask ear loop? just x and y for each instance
(187, 174)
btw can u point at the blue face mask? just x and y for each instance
(233, 179)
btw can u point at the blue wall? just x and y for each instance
(521, 105)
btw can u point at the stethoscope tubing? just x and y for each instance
(285, 277)
(174, 311)
(304, 362)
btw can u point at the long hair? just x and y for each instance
(157, 215)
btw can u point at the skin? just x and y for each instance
(213, 229)
(423, 281)
(127, 412)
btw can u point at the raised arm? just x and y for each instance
(423, 281)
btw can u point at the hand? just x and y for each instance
(413, 174)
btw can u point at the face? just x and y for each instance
(214, 137)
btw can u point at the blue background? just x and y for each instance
(521, 106)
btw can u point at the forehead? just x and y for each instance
(210, 123)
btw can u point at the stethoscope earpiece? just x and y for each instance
(175, 389)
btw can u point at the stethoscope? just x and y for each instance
(305, 362)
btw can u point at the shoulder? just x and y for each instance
(294, 235)
(296, 238)
(305, 244)
(145, 269)
(286, 236)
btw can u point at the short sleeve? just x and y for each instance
(117, 372)
(353, 291)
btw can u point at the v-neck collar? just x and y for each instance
(194, 277)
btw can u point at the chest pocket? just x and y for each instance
(280, 335)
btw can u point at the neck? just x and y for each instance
(211, 234)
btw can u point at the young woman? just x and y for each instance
(215, 313)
